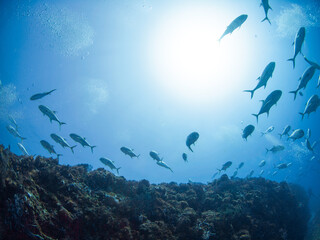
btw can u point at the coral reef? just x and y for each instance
(40, 199)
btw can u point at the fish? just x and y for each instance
(49, 148)
(285, 131)
(309, 146)
(185, 157)
(62, 141)
(269, 130)
(261, 172)
(81, 140)
(247, 131)
(163, 164)
(298, 41)
(155, 156)
(250, 174)
(225, 166)
(15, 132)
(312, 158)
(266, 7)
(235, 173)
(274, 173)
(316, 65)
(13, 121)
(304, 79)
(263, 79)
(129, 151)
(282, 165)
(236, 23)
(240, 165)
(109, 163)
(191, 139)
(311, 106)
(275, 149)
(23, 149)
(262, 163)
(271, 100)
(50, 114)
(41, 95)
(297, 134)
(318, 82)
(308, 135)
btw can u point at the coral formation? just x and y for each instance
(40, 199)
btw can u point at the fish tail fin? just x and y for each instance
(302, 115)
(257, 116)
(293, 61)
(267, 150)
(250, 91)
(118, 170)
(92, 147)
(266, 18)
(73, 148)
(60, 124)
(295, 93)
(190, 148)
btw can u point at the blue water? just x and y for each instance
(119, 84)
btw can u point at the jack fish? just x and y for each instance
(191, 139)
(285, 131)
(23, 149)
(304, 79)
(247, 131)
(225, 166)
(275, 149)
(14, 132)
(49, 148)
(298, 41)
(297, 134)
(129, 151)
(50, 114)
(311, 106)
(81, 140)
(41, 95)
(269, 130)
(62, 141)
(163, 164)
(109, 163)
(236, 23)
(266, 7)
(155, 156)
(263, 79)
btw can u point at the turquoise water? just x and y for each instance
(145, 74)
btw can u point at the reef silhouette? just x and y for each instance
(40, 199)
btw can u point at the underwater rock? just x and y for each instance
(41, 199)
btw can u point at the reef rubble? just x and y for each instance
(40, 199)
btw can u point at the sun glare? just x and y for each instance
(190, 63)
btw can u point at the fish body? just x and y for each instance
(298, 41)
(262, 163)
(308, 135)
(311, 106)
(263, 79)
(225, 166)
(185, 157)
(109, 163)
(266, 7)
(282, 165)
(240, 165)
(13, 121)
(236, 23)
(247, 131)
(309, 146)
(234, 174)
(304, 79)
(316, 65)
(155, 156)
(191, 139)
(275, 149)
(269, 130)
(261, 172)
(49, 147)
(81, 140)
(297, 134)
(250, 174)
(129, 151)
(62, 141)
(318, 82)
(285, 131)
(163, 164)
(41, 95)
(14, 132)
(50, 114)
(23, 149)
(271, 100)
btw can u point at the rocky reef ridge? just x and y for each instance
(40, 199)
